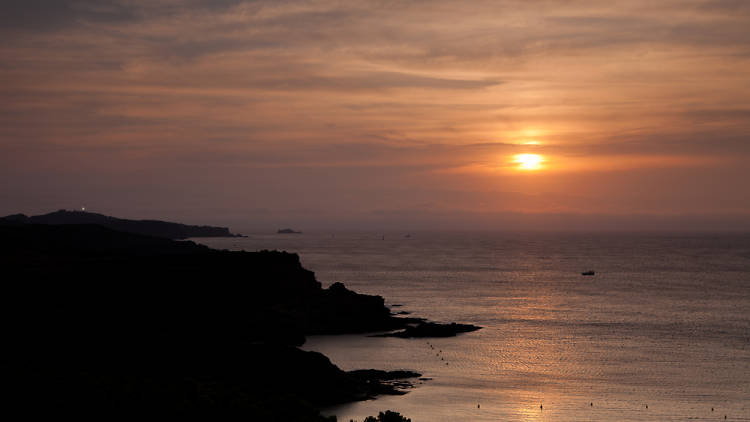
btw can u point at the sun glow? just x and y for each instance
(528, 161)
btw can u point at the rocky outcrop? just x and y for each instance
(101, 322)
(431, 329)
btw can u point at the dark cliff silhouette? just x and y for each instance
(147, 227)
(105, 323)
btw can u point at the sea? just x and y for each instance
(661, 332)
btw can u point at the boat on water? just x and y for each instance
(588, 273)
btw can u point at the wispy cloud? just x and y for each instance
(339, 93)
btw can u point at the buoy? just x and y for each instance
(477, 405)
(541, 407)
(592, 404)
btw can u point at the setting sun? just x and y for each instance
(529, 161)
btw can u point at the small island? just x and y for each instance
(288, 231)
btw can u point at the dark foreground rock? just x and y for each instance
(431, 329)
(386, 382)
(99, 323)
(155, 228)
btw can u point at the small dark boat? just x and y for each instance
(588, 273)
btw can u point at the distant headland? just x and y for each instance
(288, 231)
(154, 228)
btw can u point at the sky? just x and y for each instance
(400, 115)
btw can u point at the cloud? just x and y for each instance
(376, 103)
(45, 15)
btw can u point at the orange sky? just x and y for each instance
(379, 114)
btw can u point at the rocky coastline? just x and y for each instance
(101, 322)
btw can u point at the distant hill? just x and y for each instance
(146, 227)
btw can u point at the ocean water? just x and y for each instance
(660, 333)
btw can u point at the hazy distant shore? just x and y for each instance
(155, 228)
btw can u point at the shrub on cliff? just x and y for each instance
(388, 416)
